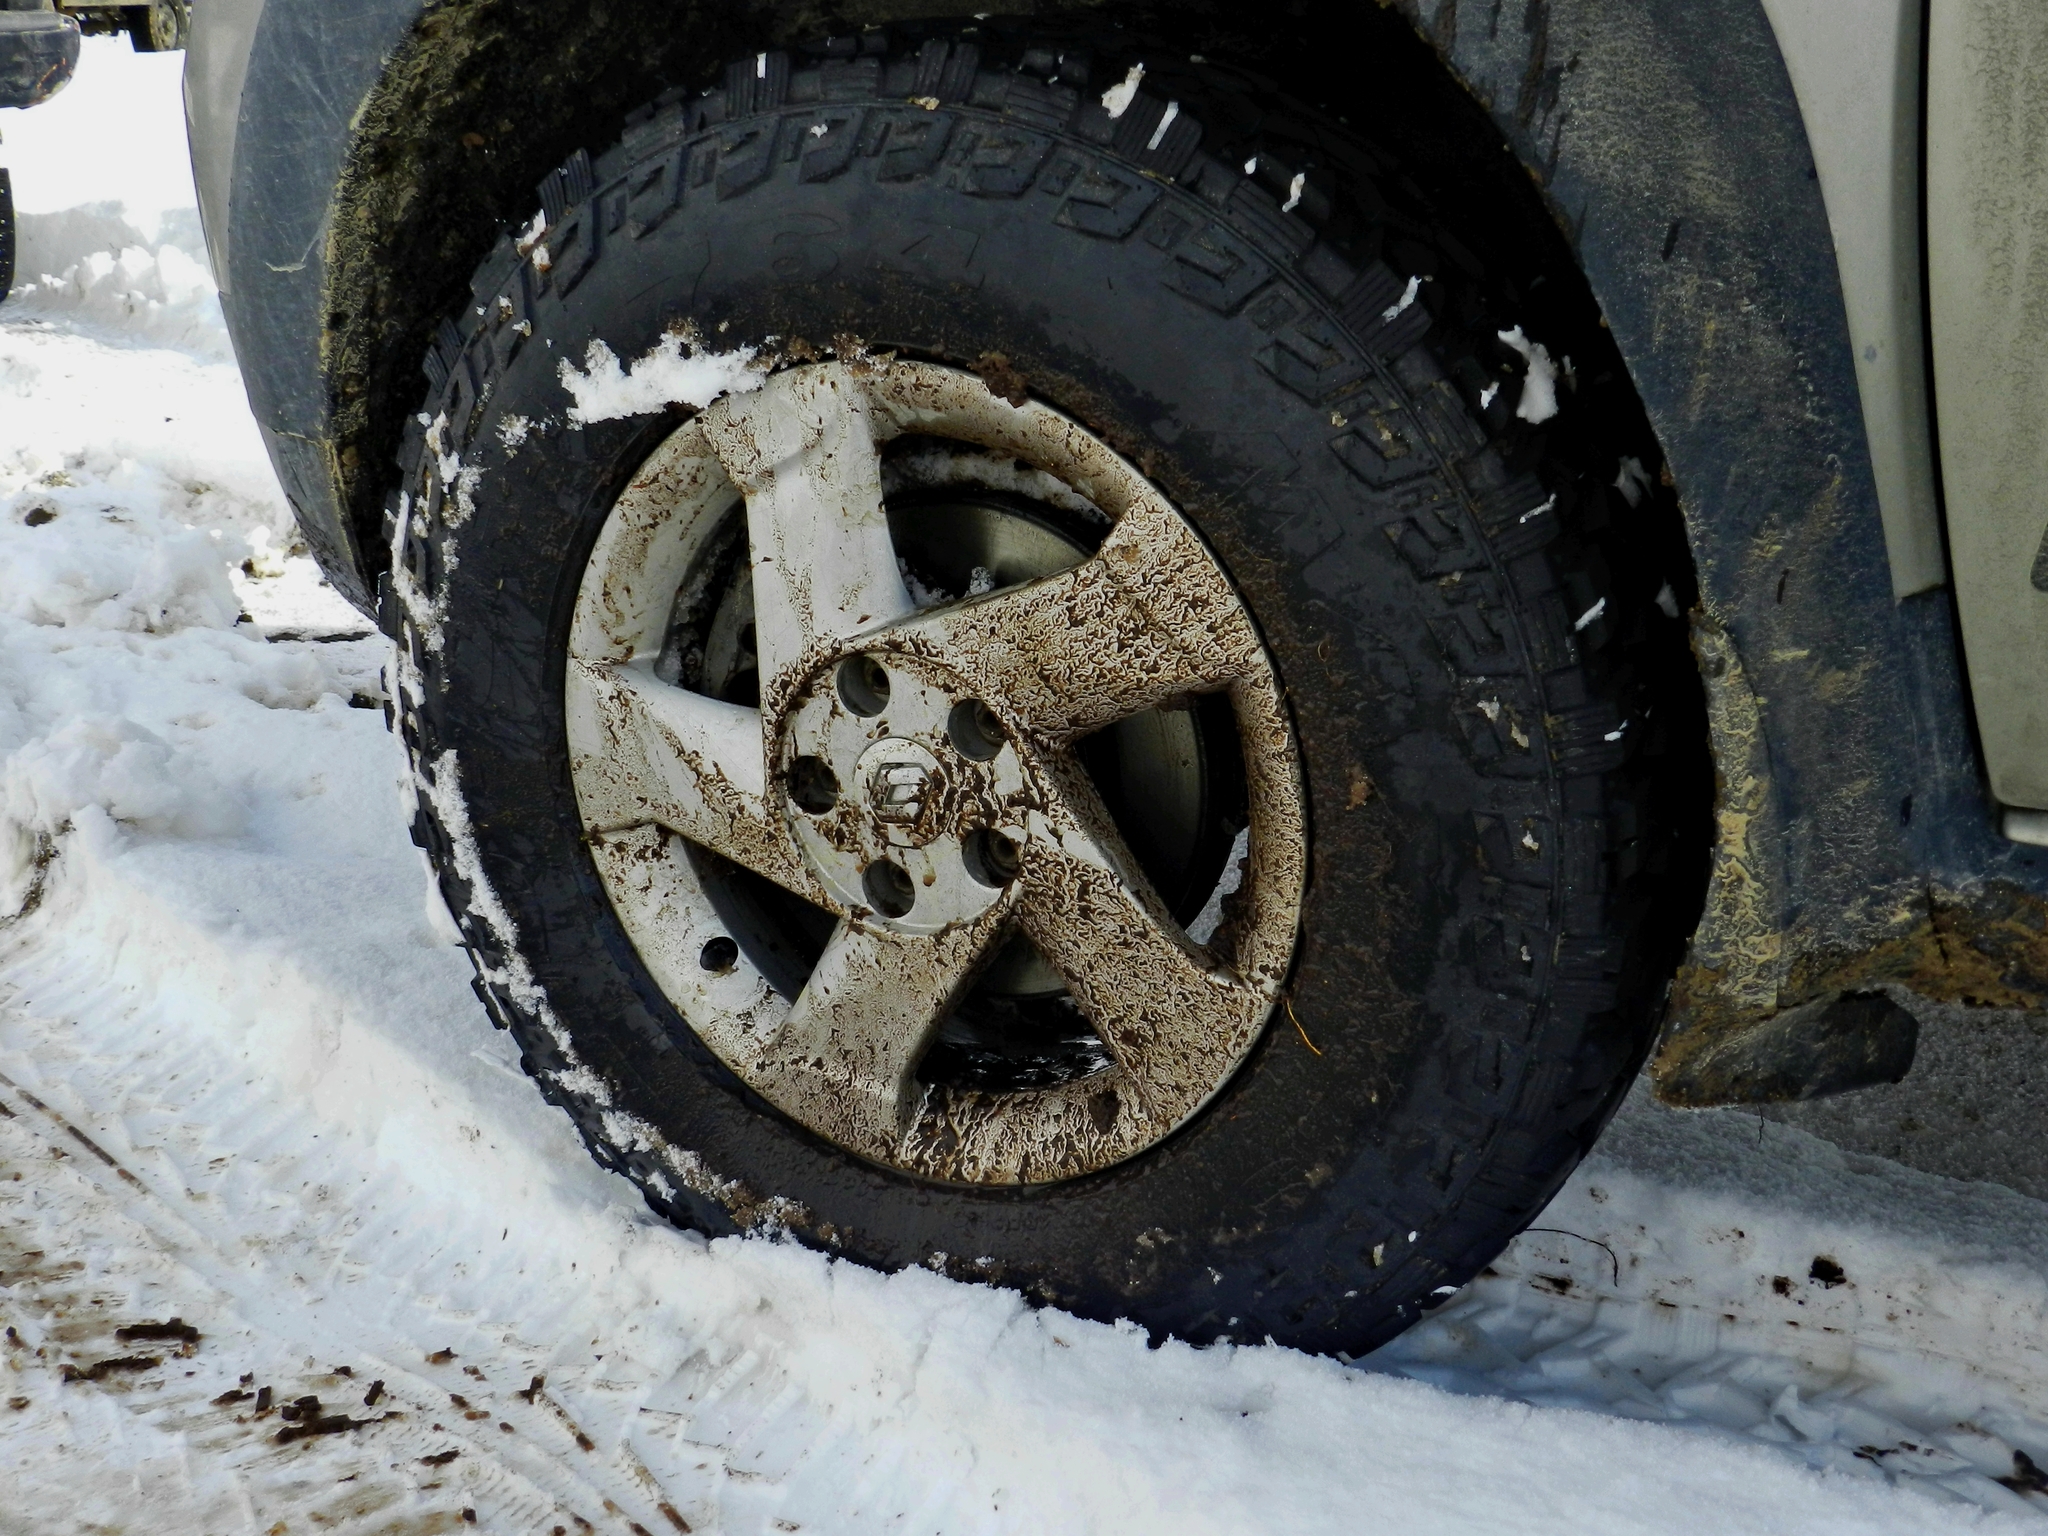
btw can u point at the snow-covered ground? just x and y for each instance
(255, 1131)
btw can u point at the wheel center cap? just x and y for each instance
(902, 784)
(892, 816)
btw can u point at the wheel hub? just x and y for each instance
(904, 783)
(917, 776)
(893, 819)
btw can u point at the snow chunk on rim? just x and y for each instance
(667, 375)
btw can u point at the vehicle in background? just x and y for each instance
(38, 52)
(158, 27)
(1145, 652)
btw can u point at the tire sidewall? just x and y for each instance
(1323, 1193)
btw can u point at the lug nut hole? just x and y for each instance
(991, 858)
(974, 730)
(864, 685)
(889, 889)
(813, 785)
(719, 955)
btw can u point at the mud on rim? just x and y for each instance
(906, 773)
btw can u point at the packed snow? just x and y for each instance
(1539, 381)
(1395, 310)
(1118, 98)
(676, 370)
(255, 1132)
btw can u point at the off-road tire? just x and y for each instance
(1479, 632)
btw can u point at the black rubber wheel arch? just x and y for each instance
(1506, 1057)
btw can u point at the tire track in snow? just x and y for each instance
(210, 1201)
(391, 1467)
(215, 1202)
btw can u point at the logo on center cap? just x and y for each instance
(902, 785)
(898, 792)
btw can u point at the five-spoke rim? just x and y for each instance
(911, 772)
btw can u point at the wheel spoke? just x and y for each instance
(802, 450)
(1173, 1019)
(917, 775)
(644, 751)
(849, 1047)
(1147, 619)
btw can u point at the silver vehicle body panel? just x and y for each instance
(1855, 67)
(1987, 227)
(216, 61)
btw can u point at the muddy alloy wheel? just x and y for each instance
(1114, 762)
(911, 773)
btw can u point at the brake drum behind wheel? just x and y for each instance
(1066, 723)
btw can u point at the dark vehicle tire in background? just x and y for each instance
(159, 27)
(1262, 589)
(7, 234)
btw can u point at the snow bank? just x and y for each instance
(139, 730)
(165, 296)
(109, 229)
(136, 503)
(98, 425)
(92, 263)
(63, 237)
(100, 567)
